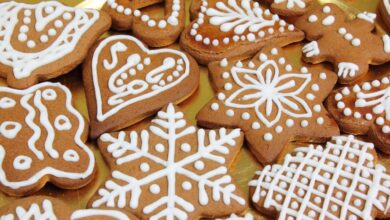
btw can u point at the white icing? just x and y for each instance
(10, 129)
(292, 3)
(118, 100)
(124, 190)
(346, 69)
(71, 156)
(62, 123)
(98, 213)
(370, 17)
(332, 159)
(266, 90)
(386, 43)
(329, 20)
(24, 64)
(22, 162)
(34, 93)
(311, 49)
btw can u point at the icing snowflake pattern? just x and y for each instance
(270, 90)
(340, 181)
(184, 162)
(23, 63)
(238, 17)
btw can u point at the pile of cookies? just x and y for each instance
(169, 167)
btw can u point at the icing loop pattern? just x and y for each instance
(339, 181)
(179, 163)
(69, 26)
(41, 136)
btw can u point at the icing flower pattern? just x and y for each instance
(264, 88)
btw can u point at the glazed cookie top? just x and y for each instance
(42, 139)
(339, 181)
(171, 170)
(34, 36)
(271, 100)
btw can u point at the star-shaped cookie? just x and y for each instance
(350, 45)
(271, 101)
(171, 170)
(364, 109)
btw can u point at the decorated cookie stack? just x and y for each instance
(307, 140)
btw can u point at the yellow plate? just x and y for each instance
(245, 165)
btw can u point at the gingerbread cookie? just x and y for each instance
(364, 109)
(42, 140)
(272, 101)
(42, 41)
(171, 170)
(384, 10)
(230, 28)
(247, 216)
(339, 181)
(155, 32)
(45, 207)
(127, 82)
(354, 45)
(290, 7)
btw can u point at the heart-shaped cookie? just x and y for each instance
(42, 140)
(42, 41)
(126, 82)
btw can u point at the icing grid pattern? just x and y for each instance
(171, 127)
(374, 95)
(172, 18)
(247, 19)
(260, 85)
(318, 183)
(152, 85)
(62, 122)
(23, 64)
(34, 212)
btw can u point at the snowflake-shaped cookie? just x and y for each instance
(339, 181)
(272, 101)
(229, 28)
(364, 109)
(354, 45)
(171, 170)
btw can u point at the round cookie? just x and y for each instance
(341, 180)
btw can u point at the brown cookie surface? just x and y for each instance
(339, 181)
(42, 41)
(272, 101)
(42, 140)
(171, 170)
(350, 45)
(155, 32)
(229, 28)
(364, 109)
(127, 82)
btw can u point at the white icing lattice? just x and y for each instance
(340, 181)
(170, 128)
